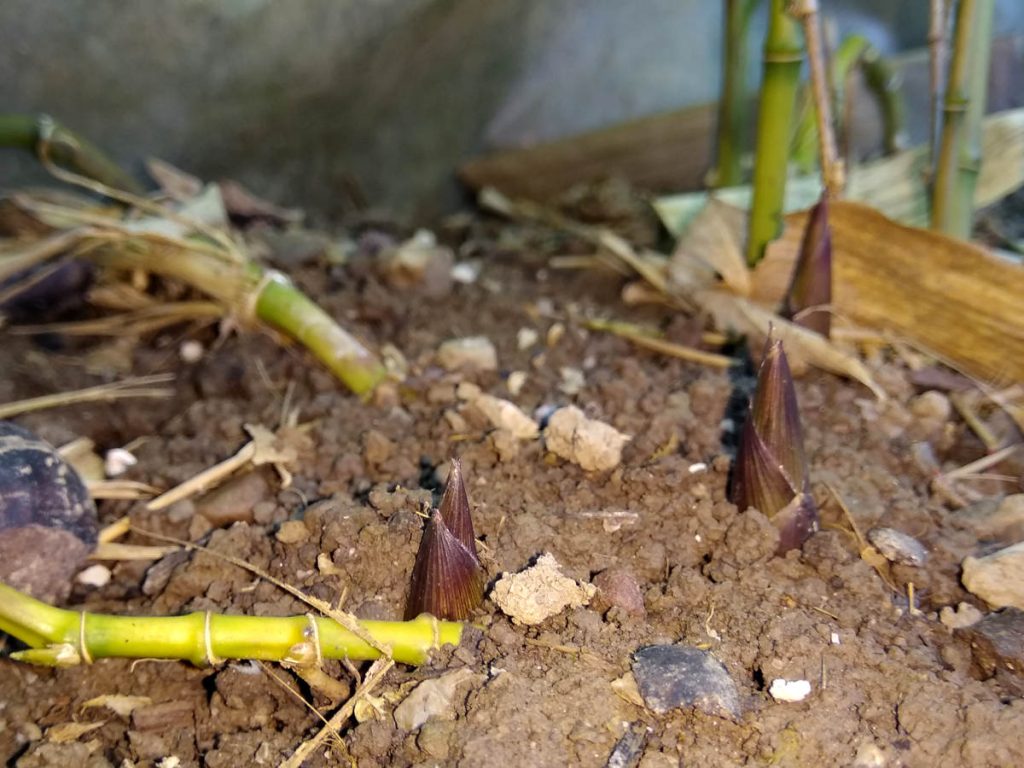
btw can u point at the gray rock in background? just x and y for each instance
(323, 103)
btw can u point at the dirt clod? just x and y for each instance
(539, 592)
(592, 444)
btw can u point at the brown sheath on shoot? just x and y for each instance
(810, 290)
(455, 508)
(771, 469)
(447, 579)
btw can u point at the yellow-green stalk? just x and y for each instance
(733, 103)
(59, 637)
(959, 161)
(250, 291)
(783, 57)
(65, 148)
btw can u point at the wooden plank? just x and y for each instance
(671, 151)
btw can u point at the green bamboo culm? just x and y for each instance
(280, 304)
(959, 159)
(59, 637)
(783, 58)
(65, 148)
(253, 292)
(734, 101)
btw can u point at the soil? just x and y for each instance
(891, 685)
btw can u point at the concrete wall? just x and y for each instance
(319, 103)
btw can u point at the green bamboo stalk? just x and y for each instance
(249, 290)
(59, 637)
(936, 57)
(283, 306)
(65, 148)
(959, 158)
(783, 57)
(732, 106)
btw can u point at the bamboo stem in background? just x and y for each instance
(959, 152)
(58, 637)
(832, 169)
(733, 104)
(783, 57)
(855, 51)
(969, 165)
(936, 60)
(65, 148)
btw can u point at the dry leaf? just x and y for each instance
(114, 551)
(715, 237)
(950, 298)
(118, 704)
(175, 183)
(68, 732)
(802, 346)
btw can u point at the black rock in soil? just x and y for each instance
(48, 520)
(671, 676)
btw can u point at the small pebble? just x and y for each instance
(573, 380)
(555, 334)
(998, 578)
(118, 461)
(473, 352)
(94, 576)
(191, 351)
(505, 414)
(869, 755)
(964, 615)
(235, 500)
(515, 382)
(700, 466)
(789, 690)
(292, 532)
(526, 338)
(617, 587)
(466, 272)
(898, 547)
(592, 444)
(433, 698)
(997, 641)
(671, 676)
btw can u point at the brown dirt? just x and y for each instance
(897, 683)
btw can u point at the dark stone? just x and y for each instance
(671, 676)
(48, 522)
(629, 749)
(997, 641)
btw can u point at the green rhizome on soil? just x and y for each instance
(895, 681)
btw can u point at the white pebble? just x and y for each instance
(526, 338)
(466, 272)
(835, 638)
(191, 351)
(515, 382)
(117, 462)
(789, 690)
(94, 576)
(700, 466)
